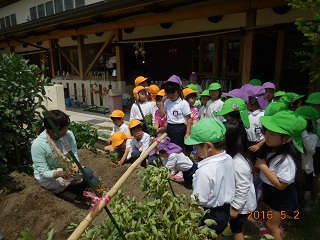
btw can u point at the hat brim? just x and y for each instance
(267, 123)
(191, 141)
(244, 115)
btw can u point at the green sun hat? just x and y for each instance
(308, 112)
(314, 98)
(236, 104)
(279, 94)
(288, 123)
(275, 107)
(214, 86)
(206, 130)
(255, 82)
(290, 97)
(205, 93)
(193, 87)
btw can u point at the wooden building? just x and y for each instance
(230, 41)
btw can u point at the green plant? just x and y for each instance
(310, 29)
(86, 135)
(162, 216)
(114, 156)
(152, 129)
(27, 234)
(22, 91)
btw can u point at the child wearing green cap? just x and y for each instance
(213, 183)
(214, 105)
(309, 142)
(280, 167)
(204, 98)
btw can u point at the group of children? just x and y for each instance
(250, 143)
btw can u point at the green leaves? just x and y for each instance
(161, 216)
(18, 106)
(86, 135)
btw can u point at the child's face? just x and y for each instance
(204, 100)
(117, 121)
(214, 94)
(269, 94)
(144, 84)
(193, 81)
(274, 139)
(173, 96)
(137, 133)
(142, 95)
(192, 100)
(163, 154)
(202, 151)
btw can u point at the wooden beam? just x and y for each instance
(248, 46)
(279, 56)
(67, 58)
(119, 56)
(80, 40)
(105, 45)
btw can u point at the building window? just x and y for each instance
(33, 13)
(79, 3)
(58, 6)
(2, 23)
(68, 5)
(7, 20)
(49, 8)
(13, 20)
(41, 12)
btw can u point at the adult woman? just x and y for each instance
(51, 164)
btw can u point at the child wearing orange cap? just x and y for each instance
(160, 122)
(141, 81)
(141, 141)
(121, 144)
(117, 117)
(140, 94)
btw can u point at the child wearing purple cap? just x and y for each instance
(176, 161)
(269, 88)
(194, 80)
(178, 111)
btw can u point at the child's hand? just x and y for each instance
(185, 136)
(233, 213)
(254, 148)
(259, 163)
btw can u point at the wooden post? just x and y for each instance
(279, 56)
(53, 58)
(113, 191)
(80, 40)
(119, 56)
(248, 46)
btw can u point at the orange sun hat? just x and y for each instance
(139, 80)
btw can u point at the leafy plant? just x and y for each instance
(162, 216)
(86, 135)
(22, 91)
(114, 156)
(311, 30)
(152, 129)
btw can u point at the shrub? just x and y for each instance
(22, 88)
(86, 135)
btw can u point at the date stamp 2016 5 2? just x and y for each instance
(268, 215)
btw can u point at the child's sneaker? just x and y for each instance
(178, 176)
(262, 223)
(227, 231)
(172, 174)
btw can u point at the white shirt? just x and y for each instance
(309, 140)
(202, 112)
(146, 107)
(245, 196)
(254, 133)
(286, 172)
(178, 162)
(318, 131)
(177, 110)
(142, 145)
(214, 181)
(213, 107)
(123, 128)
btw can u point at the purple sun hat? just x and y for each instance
(246, 86)
(168, 146)
(258, 92)
(237, 93)
(174, 79)
(269, 85)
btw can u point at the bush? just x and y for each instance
(86, 135)
(162, 216)
(22, 88)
